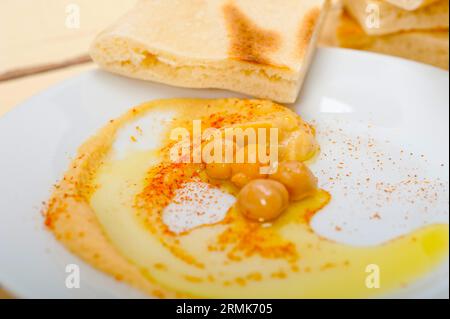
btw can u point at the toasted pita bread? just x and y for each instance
(411, 4)
(379, 17)
(429, 47)
(258, 47)
(328, 37)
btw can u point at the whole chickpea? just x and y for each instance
(218, 170)
(242, 173)
(298, 179)
(263, 200)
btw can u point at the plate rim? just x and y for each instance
(21, 291)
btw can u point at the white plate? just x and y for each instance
(386, 105)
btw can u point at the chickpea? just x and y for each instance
(242, 173)
(218, 170)
(245, 172)
(263, 200)
(298, 179)
(299, 146)
(240, 180)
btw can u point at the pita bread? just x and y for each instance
(411, 4)
(392, 19)
(429, 47)
(328, 37)
(258, 47)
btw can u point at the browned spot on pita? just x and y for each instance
(306, 31)
(249, 42)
